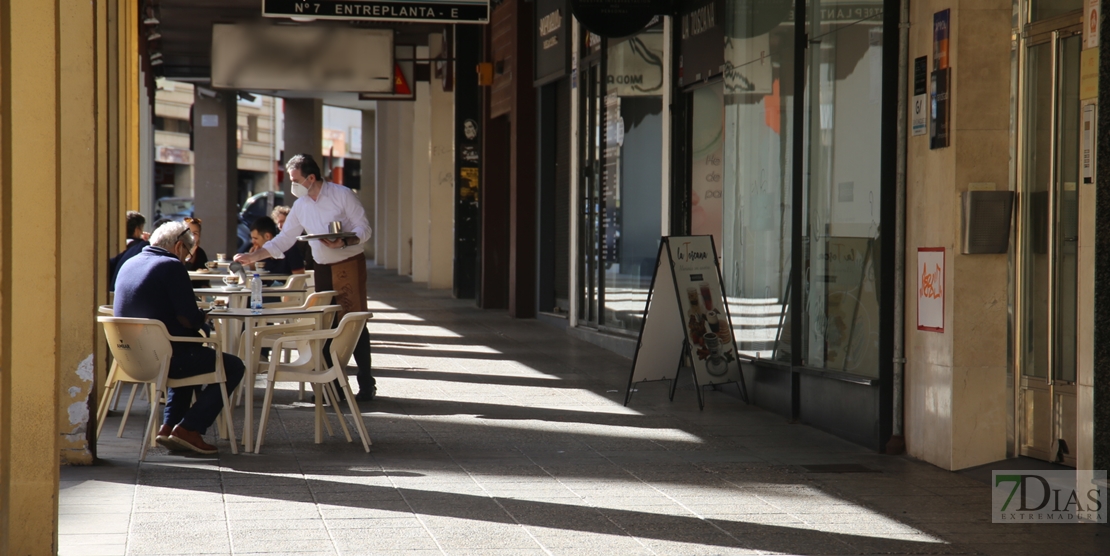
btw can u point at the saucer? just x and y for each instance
(232, 288)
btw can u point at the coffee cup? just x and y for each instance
(231, 280)
(219, 304)
(221, 256)
(260, 265)
(211, 265)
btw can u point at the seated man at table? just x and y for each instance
(264, 229)
(155, 285)
(278, 215)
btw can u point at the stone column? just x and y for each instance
(385, 243)
(304, 133)
(216, 177)
(956, 381)
(51, 255)
(421, 217)
(406, 113)
(441, 194)
(369, 192)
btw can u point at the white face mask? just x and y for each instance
(299, 190)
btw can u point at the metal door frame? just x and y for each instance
(1053, 30)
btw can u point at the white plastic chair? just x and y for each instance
(113, 405)
(291, 299)
(142, 352)
(263, 336)
(311, 368)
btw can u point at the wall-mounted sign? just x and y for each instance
(930, 289)
(939, 108)
(172, 155)
(617, 18)
(940, 40)
(636, 67)
(702, 35)
(1090, 23)
(424, 11)
(919, 110)
(552, 44)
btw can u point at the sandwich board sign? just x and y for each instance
(686, 320)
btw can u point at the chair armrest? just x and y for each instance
(306, 336)
(195, 340)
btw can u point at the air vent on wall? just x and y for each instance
(986, 222)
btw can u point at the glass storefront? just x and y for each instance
(751, 210)
(622, 119)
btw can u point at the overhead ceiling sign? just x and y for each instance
(301, 58)
(617, 18)
(425, 11)
(402, 86)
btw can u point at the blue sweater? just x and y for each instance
(155, 285)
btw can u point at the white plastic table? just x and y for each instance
(251, 320)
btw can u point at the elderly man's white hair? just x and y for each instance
(168, 234)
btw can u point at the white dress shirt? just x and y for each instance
(335, 203)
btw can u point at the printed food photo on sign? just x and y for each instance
(708, 325)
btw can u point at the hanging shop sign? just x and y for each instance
(424, 11)
(617, 18)
(686, 320)
(552, 44)
(702, 39)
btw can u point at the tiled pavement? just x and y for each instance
(500, 436)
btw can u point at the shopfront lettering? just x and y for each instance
(550, 23)
(626, 79)
(371, 10)
(699, 21)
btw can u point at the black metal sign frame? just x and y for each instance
(383, 10)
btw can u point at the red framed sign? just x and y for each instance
(930, 289)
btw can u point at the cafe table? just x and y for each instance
(253, 319)
(218, 276)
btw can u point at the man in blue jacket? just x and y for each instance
(155, 285)
(136, 240)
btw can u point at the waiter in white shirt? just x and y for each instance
(340, 263)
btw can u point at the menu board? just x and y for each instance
(691, 325)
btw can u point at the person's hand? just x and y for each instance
(333, 243)
(146, 236)
(252, 249)
(244, 258)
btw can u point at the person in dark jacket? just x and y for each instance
(136, 240)
(155, 285)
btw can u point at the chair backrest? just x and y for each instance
(316, 299)
(106, 310)
(141, 347)
(295, 282)
(346, 336)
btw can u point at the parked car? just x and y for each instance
(256, 206)
(174, 208)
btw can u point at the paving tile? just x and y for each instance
(502, 436)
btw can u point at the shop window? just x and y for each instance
(755, 206)
(1040, 10)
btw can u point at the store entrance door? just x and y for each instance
(1049, 240)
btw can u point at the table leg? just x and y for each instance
(248, 383)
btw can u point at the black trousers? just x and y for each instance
(351, 295)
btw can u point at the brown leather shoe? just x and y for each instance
(163, 439)
(191, 440)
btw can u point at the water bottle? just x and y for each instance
(256, 295)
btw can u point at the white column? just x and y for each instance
(420, 177)
(385, 245)
(369, 189)
(403, 136)
(441, 233)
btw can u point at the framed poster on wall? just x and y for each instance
(930, 289)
